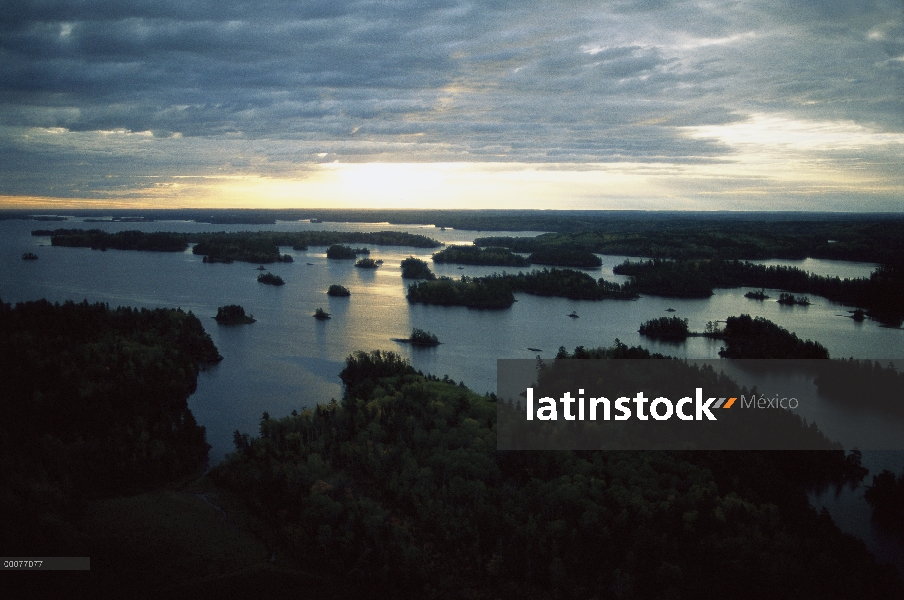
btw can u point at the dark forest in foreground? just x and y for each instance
(398, 489)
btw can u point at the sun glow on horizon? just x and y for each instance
(723, 185)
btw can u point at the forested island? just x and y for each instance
(270, 279)
(420, 337)
(495, 291)
(233, 314)
(29, 256)
(669, 328)
(340, 252)
(338, 291)
(567, 283)
(321, 315)
(880, 294)
(97, 239)
(415, 268)
(398, 491)
(247, 246)
(474, 255)
(367, 263)
(504, 257)
(472, 292)
(792, 300)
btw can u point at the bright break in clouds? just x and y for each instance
(650, 104)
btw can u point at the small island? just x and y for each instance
(420, 337)
(669, 328)
(791, 300)
(338, 291)
(367, 263)
(233, 314)
(415, 268)
(321, 315)
(758, 295)
(341, 252)
(858, 315)
(270, 279)
(29, 256)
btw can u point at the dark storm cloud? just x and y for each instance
(525, 81)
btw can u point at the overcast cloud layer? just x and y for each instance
(702, 100)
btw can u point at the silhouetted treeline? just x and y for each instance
(122, 240)
(473, 255)
(747, 337)
(565, 257)
(94, 403)
(886, 496)
(695, 236)
(398, 490)
(881, 293)
(246, 246)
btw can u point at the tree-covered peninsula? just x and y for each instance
(94, 404)
(747, 337)
(398, 491)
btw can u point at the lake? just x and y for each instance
(288, 360)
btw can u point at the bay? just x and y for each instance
(288, 360)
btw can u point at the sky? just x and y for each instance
(650, 104)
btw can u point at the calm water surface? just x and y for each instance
(289, 360)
